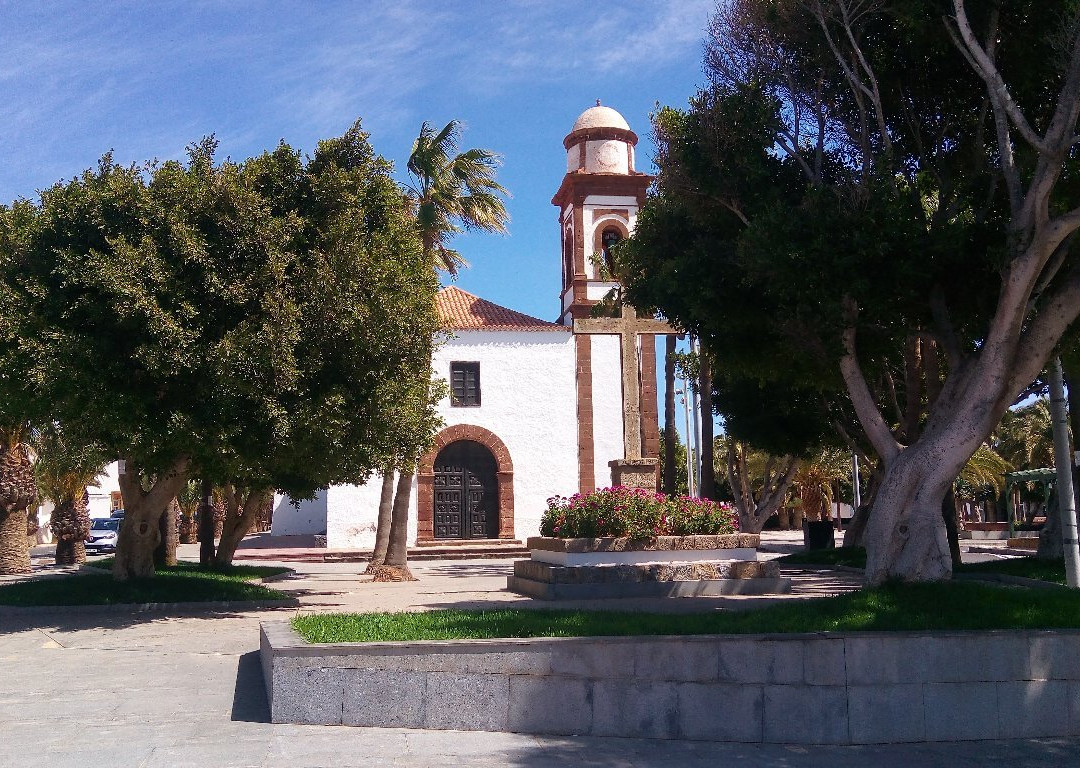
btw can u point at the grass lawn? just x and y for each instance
(1027, 567)
(951, 605)
(177, 584)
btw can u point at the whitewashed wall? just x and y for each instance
(528, 399)
(607, 406)
(607, 156)
(100, 502)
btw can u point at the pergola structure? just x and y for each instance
(1045, 477)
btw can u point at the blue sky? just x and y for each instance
(146, 78)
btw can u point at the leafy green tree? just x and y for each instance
(758, 480)
(876, 232)
(251, 323)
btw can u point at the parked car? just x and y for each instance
(103, 534)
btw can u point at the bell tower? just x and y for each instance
(598, 203)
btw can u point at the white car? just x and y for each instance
(103, 534)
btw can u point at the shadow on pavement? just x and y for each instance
(249, 696)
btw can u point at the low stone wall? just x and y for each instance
(654, 544)
(854, 688)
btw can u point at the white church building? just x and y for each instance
(535, 409)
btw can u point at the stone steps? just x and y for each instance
(476, 549)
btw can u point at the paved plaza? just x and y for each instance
(115, 688)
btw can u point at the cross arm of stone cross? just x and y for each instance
(628, 326)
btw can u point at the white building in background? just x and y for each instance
(104, 497)
(535, 410)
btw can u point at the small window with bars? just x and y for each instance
(464, 384)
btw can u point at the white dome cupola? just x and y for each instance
(600, 142)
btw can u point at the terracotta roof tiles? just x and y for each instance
(461, 311)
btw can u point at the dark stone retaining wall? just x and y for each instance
(853, 688)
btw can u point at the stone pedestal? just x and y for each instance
(636, 473)
(664, 566)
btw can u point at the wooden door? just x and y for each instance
(466, 494)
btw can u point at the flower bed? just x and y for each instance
(635, 513)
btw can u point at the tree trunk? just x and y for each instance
(856, 530)
(17, 491)
(206, 525)
(240, 518)
(707, 483)
(1070, 366)
(670, 474)
(397, 552)
(14, 547)
(168, 529)
(70, 526)
(905, 536)
(140, 531)
(1051, 542)
(186, 529)
(948, 514)
(382, 529)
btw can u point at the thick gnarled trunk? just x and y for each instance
(241, 513)
(753, 513)
(140, 532)
(17, 491)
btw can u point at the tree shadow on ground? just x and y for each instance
(249, 696)
(464, 570)
(115, 618)
(610, 752)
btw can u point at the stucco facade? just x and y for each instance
(527, 399)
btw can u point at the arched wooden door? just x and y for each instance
(466, 492)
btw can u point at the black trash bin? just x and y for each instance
(818, 534)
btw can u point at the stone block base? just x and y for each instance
(636, 473)
(547, 581)
(608, 590)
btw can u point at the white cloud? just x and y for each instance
(148, 78)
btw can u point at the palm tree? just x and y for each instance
(815, 480)
(451, 193)
(63, 470)
(17, 491)
(188, 499)
(1025, 436)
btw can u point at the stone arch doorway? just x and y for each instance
(466, 493)
(439, 463)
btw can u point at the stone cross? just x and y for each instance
(628, 326)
